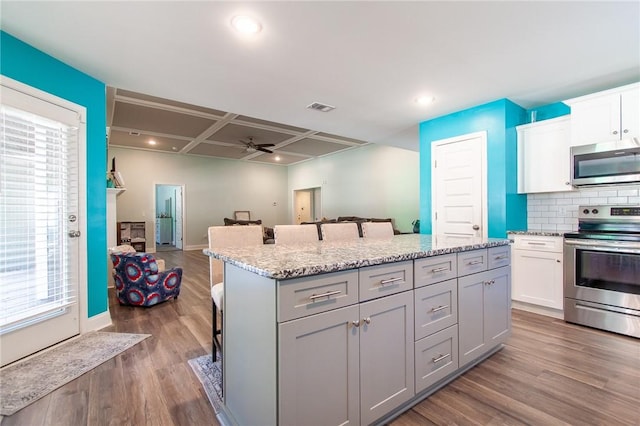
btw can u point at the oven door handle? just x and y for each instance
(604, 245)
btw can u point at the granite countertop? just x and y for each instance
(282, 262)
(541, 233)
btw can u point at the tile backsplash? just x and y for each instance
(558, 211)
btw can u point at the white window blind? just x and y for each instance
(38, 194)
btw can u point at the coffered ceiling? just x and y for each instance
(135, 119)
(369, 59)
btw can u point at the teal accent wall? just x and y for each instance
(507, 210)
(30, 66)
(547, 112)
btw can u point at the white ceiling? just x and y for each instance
(369, 59)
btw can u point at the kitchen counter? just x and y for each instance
(541, 233)
(283, 262)
(304, 325)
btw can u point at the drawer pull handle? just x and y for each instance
(475, 262)
(439, 358)
(533, 243)
(391, 280)
(313, 297)
(439, 308)
(441, 269)
(502, 256)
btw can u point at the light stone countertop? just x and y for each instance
(291, 261)
(541, 233)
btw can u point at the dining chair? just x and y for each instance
(295, 234)
(226, 237)
(377, 230)
(343, 231)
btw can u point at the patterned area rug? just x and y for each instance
(27, 381)
(210, 375)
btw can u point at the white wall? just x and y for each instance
(558, 211)
(214, 188)
(371, 181)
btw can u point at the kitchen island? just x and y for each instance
(356, 332)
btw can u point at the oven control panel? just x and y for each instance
(609, 212)
(625, 211)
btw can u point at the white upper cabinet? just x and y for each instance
(543, 156)
(610, 115)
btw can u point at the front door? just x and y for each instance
(459, 187)
(40, 221)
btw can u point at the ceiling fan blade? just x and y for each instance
(264, 144)
(260, 148)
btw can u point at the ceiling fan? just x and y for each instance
(251, 146)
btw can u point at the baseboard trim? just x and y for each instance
(96, 322)
(536, 309)
(196, 247)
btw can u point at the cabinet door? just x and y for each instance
(537, 278)
(484, 312)
(497, 306)
(631, 113)
(596, 120)
(386, 355)
(544, 156)
(319, 369)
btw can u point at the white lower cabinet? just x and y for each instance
(538, 271)
(348, 366)
(484, 312)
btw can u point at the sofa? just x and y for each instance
(357, 219)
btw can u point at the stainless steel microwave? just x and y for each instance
(606, 163)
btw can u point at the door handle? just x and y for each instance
(74, 234)
(476, 227)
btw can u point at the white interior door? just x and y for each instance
(458, 185)
(178, 217)
(41, 219)
(302, 207)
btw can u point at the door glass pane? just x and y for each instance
(38, 194)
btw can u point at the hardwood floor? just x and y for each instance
(549, 373)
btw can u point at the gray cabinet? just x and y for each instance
(320, 369)
(356, 360)
(355, 347)
(484, 312)
(386, 355)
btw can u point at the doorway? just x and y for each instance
(169, 213)
(307, 205)
(43, 221)
(459, 187)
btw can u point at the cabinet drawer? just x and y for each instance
(382, 280)
(304, 296)
(431, 270)
(538, 242)
(499, 256)
(436, 307)
(470, 262)
(436, 357)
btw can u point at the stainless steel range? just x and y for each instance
(602, 269)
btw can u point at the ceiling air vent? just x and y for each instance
(320, 107)
(132, 133)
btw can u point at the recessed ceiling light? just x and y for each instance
(425, 100)
(277, 158)
(152, 142)
(246, 24)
